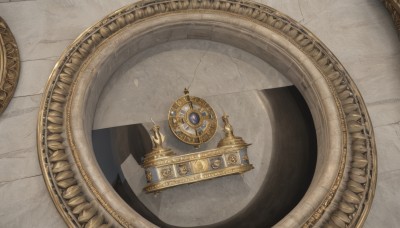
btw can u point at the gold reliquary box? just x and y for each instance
(193, 122)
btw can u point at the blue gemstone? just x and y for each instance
(194, 118)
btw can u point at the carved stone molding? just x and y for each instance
(73, 182)
(393, 7)
(9, 65)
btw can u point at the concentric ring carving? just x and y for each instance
(9, 65)
(345, 205)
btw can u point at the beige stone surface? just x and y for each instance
(360, 33)
(154, 78)
(23, 194)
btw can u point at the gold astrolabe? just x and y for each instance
(192, 120)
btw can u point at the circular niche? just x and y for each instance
(262, 105)
(315, 161)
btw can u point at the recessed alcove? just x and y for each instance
(342, 130)
(264, 107)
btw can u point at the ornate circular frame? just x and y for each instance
(342, 189)
(393, 7)
(9, 65)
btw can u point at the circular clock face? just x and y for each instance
(192, 120)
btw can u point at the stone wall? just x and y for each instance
(360, 33)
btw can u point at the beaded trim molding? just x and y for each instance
(393, 7)
(9, 65)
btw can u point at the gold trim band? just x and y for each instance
(9, 65)
(198, 177)
(393, 7)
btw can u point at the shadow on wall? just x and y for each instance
(289, 176)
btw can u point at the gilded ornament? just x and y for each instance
(393, 7)
(230, 138)
(9, 65)
(232, 159)
(183, 169)
(166, 172)
(192, 120)
(216, 163)
(199, 166)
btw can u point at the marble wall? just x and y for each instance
(359, 32)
